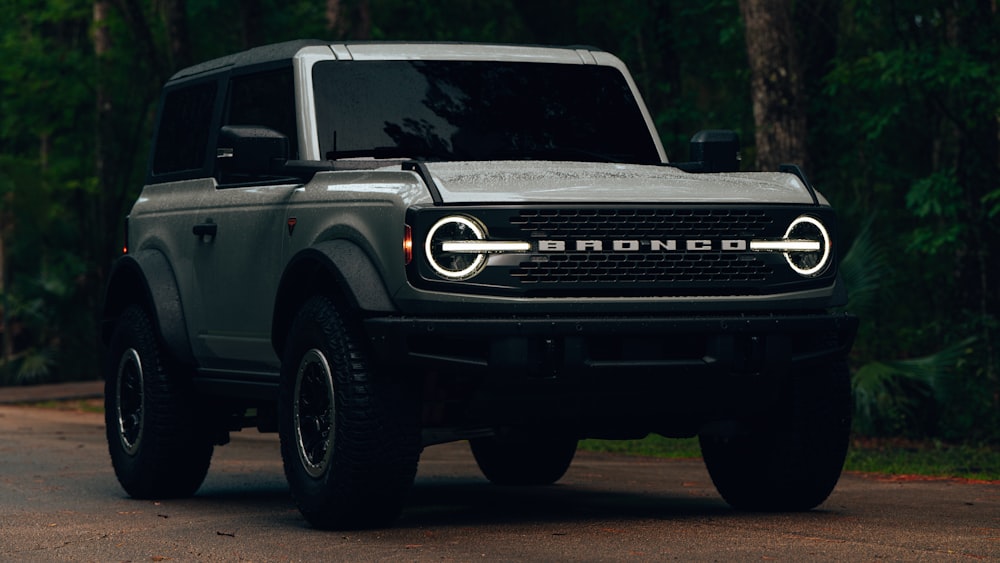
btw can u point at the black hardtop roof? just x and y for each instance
(258, 55)
(279, 52)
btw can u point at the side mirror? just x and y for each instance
(250, 150)
(718, 150)
(713, 150)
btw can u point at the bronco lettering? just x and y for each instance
(634, 245)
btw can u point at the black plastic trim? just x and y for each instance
(146, 278)
(421, 169)
(795, 169)
(238, 385)
(343, 261)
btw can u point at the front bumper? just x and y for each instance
(601, 369)
(547, 345)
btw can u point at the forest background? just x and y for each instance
(892, 107)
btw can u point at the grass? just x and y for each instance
(924, 458)
(653, 445)
(928, 459)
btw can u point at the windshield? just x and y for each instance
(461, 110)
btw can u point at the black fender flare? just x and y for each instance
(339, 268)
(147, 279)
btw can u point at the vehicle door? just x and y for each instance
(238, 236)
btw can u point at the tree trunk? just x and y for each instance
(775, 83)
(145, 44)
(333, 16)
(93, 207)
(250, 15)
(178, 37)
(349, 19)
(103, 132)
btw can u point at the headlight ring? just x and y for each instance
(811, 262)
(454, 265)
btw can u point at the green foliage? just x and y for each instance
(653, 445)
(864, 269)
(926, 395)
(937, 196)
(32, 78)
(908, 115)
(902, 396)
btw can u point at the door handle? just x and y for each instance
(208, 229)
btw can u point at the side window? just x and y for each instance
(265, 99)
(185, 123)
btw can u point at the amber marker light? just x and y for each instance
(125, 244)
(407, 244)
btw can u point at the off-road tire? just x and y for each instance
(792, 462)
(350, 452)
(523, 459)
(159, 446)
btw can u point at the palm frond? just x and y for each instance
(899, 389)
(864, 270)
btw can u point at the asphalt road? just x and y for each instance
(59, 501)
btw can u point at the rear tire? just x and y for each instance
(159, 447)
(349, 456)
(523, 459)
(794, 462)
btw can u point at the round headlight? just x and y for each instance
(813, 235)
(455, 265)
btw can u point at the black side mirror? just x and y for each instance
(717, 149)
(250, 150)
(713, 150)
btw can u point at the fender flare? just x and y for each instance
(146, 278)
(339, 268)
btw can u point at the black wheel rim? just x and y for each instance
(129, 401)
(313, 412)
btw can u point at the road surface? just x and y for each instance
(59, 501)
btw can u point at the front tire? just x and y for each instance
(523, 459)
(158, 446)
(349, 456)
(794, 461)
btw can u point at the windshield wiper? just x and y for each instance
(390, 152)
(374, 152)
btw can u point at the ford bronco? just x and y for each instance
(371, 248)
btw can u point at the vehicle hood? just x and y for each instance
(588, 182)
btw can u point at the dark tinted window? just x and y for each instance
(268, 100)
(182, 139)
(454, 110)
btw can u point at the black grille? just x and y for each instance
(699, 268)
(643, 268)
(625, 223)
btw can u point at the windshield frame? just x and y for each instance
(315, 72)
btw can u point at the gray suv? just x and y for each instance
(371, 248)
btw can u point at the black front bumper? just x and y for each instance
(521, 369)
(538, 346)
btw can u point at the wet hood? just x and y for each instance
(581, 182)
